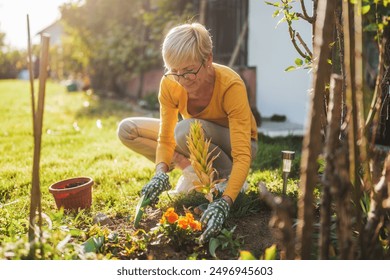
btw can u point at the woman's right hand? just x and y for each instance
(158, 184)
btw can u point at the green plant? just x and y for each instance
(225, 241)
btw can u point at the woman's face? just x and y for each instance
(190, 75)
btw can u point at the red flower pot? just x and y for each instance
(73, 193)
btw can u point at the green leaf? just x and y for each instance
(365, 9)
(275, 4)
(246, 256)
(214, 243)
(289, 69)
(370, 27)
(298, 62)
(270, 253)
(93, 244)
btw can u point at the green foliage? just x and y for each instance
(123, 44)
(11, 62)
(285, 9)
(150, 101)
(225, 241)
(271, 253)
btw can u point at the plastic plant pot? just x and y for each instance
(73, 193)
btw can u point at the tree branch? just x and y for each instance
(304, 45)
(305, 15)
(294, 42)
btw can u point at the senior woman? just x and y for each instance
(196, 88)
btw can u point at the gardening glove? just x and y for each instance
(213, 219)
(158, 184)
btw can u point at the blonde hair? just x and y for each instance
(189, 42)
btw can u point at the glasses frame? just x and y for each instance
(184, 75)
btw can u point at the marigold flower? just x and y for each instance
(170, 215)
(195, 225)
(189, 216)
(182, 222)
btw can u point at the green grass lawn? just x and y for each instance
(79, 139)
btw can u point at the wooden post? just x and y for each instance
(238, 44)
(202, 11)
(38, 120)
(31, 75)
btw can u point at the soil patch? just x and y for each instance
(253, 232)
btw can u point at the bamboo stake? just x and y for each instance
(35, 190)
(31, 75)
(31, 235)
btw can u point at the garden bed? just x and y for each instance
(251, 232)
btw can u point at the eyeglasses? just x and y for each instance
(188, 75)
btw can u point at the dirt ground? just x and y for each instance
(253, 232)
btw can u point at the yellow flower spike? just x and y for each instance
(202, 160)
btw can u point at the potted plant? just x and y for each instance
(73, 193)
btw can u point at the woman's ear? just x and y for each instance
(209, 61)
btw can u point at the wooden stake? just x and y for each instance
(31, 74)
(236, 50)
(35, 190)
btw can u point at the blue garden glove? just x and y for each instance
(213, 219)
(158, 184)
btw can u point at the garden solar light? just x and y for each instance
(287, 157)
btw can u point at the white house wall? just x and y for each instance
(271, 51)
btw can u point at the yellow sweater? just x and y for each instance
(228, 107)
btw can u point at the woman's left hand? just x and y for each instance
(213, 219)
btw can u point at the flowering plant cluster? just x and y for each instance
(182, 231)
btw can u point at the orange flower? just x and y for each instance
(182, 222)
(170, 215)
(195, 225)
(189, 216)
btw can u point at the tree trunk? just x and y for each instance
(332, 144)
(352, 110)
(384, 122)
(311, 145)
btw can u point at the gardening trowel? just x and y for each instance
(139, 210)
